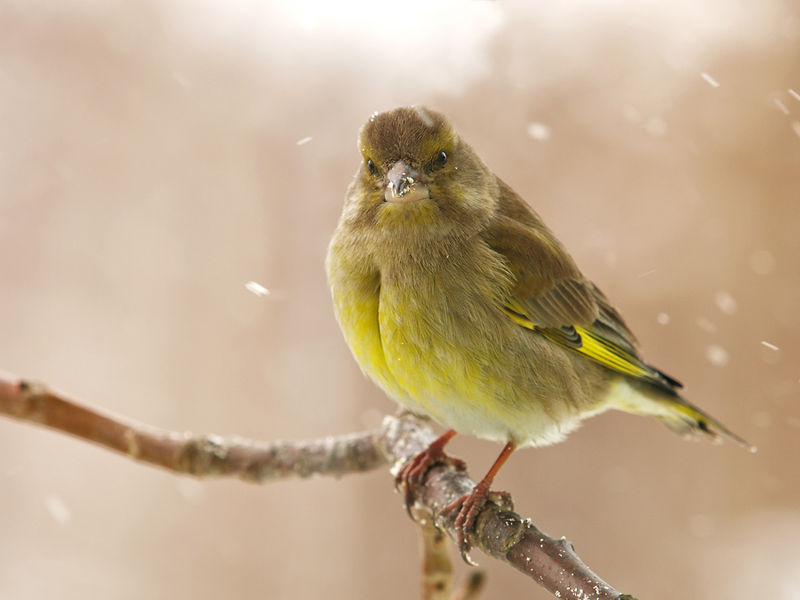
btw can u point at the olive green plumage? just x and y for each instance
(463, 306)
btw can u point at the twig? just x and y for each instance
(437, 568)
(202, 455)
(472, 586)
(499, 532)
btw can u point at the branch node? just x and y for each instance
(132, 443)
(504, 528)
(471, 588)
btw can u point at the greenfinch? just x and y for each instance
(460, 303)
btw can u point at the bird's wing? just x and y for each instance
(551, 296)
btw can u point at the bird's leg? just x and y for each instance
(469, 505)
(413, 472)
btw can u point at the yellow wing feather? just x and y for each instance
(585, 342)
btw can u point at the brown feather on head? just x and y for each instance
(423, 132)
(419, 182)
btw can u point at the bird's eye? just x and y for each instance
(441, 159)
(370, 166)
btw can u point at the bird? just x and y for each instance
(462, 305)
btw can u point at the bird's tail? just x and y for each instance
(688, 420)
(676, 413)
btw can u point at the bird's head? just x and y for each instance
(417, 177)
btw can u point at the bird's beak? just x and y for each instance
(402, 184)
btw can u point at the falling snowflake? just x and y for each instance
(539, 131)
(725, 302)
(709, 79)
(717, 355)
(256, 288)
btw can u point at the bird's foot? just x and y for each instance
(413, 473)
(468, 507)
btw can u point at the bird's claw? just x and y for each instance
(469, 507)
(413, 473)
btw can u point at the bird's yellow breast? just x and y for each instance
(412, 338)
(430, 351)
(436, 341)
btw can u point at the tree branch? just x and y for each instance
(437, 569)
(182, 452)
(499, 532)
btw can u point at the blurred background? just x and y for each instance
(156, 156)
